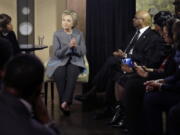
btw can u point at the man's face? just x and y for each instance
(137, 21)
(10, 27)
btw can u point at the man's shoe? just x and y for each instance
(119, 124)
(65, 112)
(86, 96)
(118, 116)
(81, 97)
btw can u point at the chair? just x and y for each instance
(82, 78)
(48, 81)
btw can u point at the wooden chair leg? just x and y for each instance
(45, 92)
(52, 93)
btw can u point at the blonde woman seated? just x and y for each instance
(67, 61)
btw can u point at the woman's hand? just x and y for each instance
(148, 69)
(153, 84)
(73, 43)
(140, 71)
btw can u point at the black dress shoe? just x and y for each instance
(65, 112)
(120, 124)
(81, 97)
(86, 96)
(118, 116)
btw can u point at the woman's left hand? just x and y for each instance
(140, 71)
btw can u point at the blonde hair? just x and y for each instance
(73, 14)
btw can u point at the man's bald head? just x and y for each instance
(142, 19)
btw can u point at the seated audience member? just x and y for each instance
(159, 20)
(162, 94)
(6, 31)
(132, 86)
(67, 61)
(21, 110)
(5, 55)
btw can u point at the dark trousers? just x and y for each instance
(134, 97)
(110, 67)
(154, 104)
(105, 79)
(174, 120)
(65, 78)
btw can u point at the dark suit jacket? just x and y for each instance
(16, 120)
(12, 38)
(169, 67)
(147, 49)
(172, 83)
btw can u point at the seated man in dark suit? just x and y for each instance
(21, 110)
(146, 48)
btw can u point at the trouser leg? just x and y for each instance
(72, 74)
(60, 80)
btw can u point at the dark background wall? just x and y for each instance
(108, 26)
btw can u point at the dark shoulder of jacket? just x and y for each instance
(157, 37)
(155, 33)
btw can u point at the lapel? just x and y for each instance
(143, 36)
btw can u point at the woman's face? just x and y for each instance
(167, 39)
(67, 22)
(158, 29)
(10, 27)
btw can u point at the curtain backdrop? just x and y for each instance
(108, 27)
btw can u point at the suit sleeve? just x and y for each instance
(81, 47)
(153, 54)
(158, 52)
(173, 81)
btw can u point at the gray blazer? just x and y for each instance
(62, 51)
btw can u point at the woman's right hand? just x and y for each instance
(73, 43)
(153, 84)
(140, 71)
(148, 69)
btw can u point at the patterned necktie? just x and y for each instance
(132, 42)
